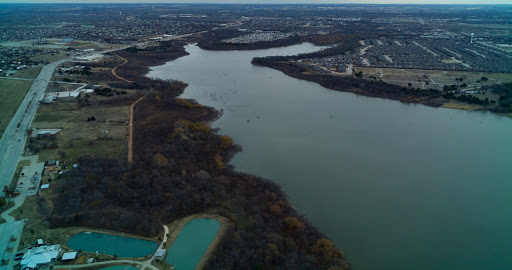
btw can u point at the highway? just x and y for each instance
(13, 140)
(12, 145)
(15, 136)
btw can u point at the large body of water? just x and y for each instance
(395, 186)
(112, 244)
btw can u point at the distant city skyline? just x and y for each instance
(459, 2)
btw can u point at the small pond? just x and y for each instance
(191, 243)
(112, 244)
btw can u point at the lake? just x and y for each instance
(396, 186)
(112, 244)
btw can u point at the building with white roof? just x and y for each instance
(39, 256)
(69, 256)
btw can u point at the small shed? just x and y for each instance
(69, 256)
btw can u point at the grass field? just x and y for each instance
(436, 79)
(12, 93)
(50, 57)
(61, 87)
(79, 44)
(104, 137)
(29, 73)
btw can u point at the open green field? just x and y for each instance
(29, 73)
(61, 87)
(104, 137)
(79, 44)
(50, 57)
(436, 79)
(12, 93)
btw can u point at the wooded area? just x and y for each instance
(180, 168)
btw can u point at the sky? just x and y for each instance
(273, 1)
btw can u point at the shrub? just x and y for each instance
(185, 103)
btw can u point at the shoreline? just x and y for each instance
(261, 193)
(397, 93)
(223, 220)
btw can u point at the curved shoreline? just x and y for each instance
(251, 187)
(224, 225)
(402, 94)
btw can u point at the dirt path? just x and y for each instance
(114, 69)
(130, 132)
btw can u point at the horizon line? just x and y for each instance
(231, 3)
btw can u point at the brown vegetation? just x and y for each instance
(141, 59)
(179, 169)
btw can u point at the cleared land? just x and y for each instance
(104, 137)
(50, 57)
(61, 87)
(12, 93)
(29, 73)
(436, 79)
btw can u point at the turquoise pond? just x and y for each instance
(191, 243)
(112, 244)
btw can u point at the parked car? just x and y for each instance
(21, 184)
(18, 256)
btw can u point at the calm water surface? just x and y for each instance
(395, 186)
(190, 245)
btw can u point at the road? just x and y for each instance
(12, 145)
(12, 227)
(13, 140)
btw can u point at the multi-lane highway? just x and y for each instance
(14, 137)
(13, 140)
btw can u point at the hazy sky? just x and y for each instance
(273, 1)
